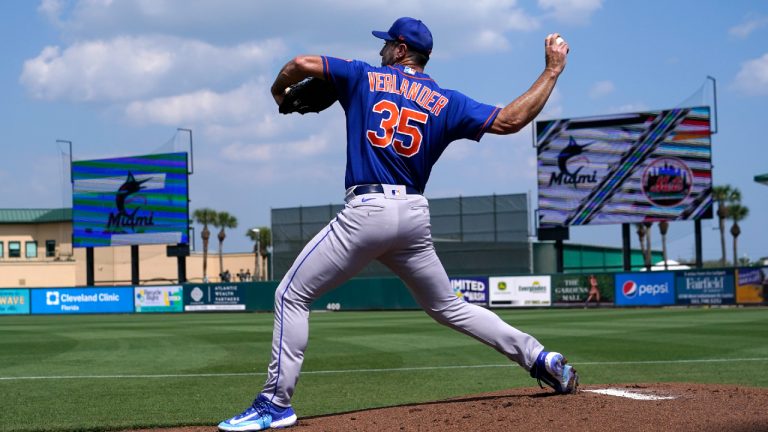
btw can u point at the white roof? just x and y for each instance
(671, 265)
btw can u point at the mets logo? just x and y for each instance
(570, 161)
(667, 181)
(629, 289)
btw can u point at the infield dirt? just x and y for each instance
(694, 407)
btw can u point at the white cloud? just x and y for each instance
(127, 68)
(489, 40)
(240, 115)
(51, 9)
(236, 106)
(752, 78)
(601, 88)
(571, 11)
(229, 21)
(519, 20)
(267, 152)
(628, 108)
(485, 25)
(744, 29)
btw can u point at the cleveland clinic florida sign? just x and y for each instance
(81, 301)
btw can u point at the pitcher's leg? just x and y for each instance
(428, 282)
(326, 262)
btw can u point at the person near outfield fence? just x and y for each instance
(594, 291)
(399, 121)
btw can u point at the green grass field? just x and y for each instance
(125, 371)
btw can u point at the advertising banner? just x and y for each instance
(705, 287)
(82, 300)
(645, 289)
(577, 288)
(471, 289)
(751, 285)
(519, 291)
(214, 297)
(159, 299)
(14, 301)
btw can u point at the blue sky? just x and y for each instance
(119, 77)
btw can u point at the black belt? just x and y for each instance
(377, 188)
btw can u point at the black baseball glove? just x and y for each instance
(309, 95)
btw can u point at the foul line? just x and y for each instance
(344, 371)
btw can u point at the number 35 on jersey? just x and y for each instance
(397, 121)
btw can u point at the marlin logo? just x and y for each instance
(570, 151)
(565, 176)
(123, 218)
(130, 187)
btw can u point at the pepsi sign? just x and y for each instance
(645, 289)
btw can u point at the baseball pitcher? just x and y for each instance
(399, 122)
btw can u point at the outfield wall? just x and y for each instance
(682, 287)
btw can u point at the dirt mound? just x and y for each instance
(644, 407)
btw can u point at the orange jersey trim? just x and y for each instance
(485, 125)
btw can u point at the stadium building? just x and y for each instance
(36, 251)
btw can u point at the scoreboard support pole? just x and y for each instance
(181, 265)
(181, 252)
(697, 230)
(626, 246)
(134, 264)
(90, 279)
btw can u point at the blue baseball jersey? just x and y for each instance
(399, 121)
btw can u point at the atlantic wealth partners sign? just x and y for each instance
(215, 297)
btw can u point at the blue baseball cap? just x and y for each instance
(410, 31)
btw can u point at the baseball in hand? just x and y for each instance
(560, 41)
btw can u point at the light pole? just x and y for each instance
(257, 270)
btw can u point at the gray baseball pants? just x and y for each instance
(397, 233)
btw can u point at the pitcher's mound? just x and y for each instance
(647, 407)
(641, 407)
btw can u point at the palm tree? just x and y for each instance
(663, 228)
(262, 238)
(641, 236)
(721, 194)
(224, 220)
(736, 212)
(205, 216)
(648, 262)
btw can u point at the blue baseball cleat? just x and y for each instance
(551, 368)
(262, 414)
